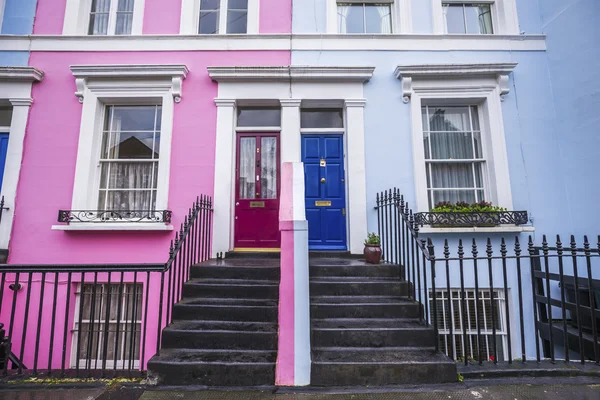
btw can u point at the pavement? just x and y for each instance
(530, 389)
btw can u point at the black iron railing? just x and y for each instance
(100, 216)
(97, 320)
(490, 301)
(468, 219)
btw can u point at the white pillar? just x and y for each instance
(290, 131)
(224, 176)
(357, 181)
(12, 169)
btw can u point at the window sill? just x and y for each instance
(158, 226)
(493, 229)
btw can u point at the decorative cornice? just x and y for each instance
(176, 72)
(408, 73)
(30, 74)
(290, 102)
(294, 73)
(16, 102)
(355, 102)
(225, 102)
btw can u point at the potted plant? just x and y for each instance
(462, 213)
(372, 250)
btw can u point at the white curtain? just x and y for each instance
(123, 175)
(342, 15)
(247, 167)
(124, 17)
(485, 20)
(385, 18)
(268, 168)
(99, 17)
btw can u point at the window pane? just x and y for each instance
(126, 200)
(426, 145)
(453, 196)
(478, 175)
(237, 21)
(259, 117)
(130, 145)
(124, 23)
(455, 21)
(210, 4)
(452, 175)
(378, 18)
(479, 18)
(449, 119)
(268, 168)
(119, 175)
(451, 145)
(351, 18)
(237, 4)
(322, 118)
(132, 118)
(209, 23)
(98, 24)
(102, 6)
(5, 116)
(247, 168)
(125, 5)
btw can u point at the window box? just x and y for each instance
(128, 216)
(471, 219)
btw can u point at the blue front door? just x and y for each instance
(325, 189)
(3, 150)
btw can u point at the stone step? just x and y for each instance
(343, 366)
(198, 310)
(324, 267)
(371, 333)
(213, 368)
(236, 269)
(362, 309)
(232, 288)
(352, 286)
(185, 335)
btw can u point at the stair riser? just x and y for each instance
(359, 289)
(235, 273)
(240, 292)
(373, 338)
(365, 311)
(355, 271)
(244, 314)
(212, 375)
(379, 375)
(219, 340)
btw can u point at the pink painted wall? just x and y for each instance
(163, 17)
(51, 140)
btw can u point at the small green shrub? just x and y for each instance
(462, 206)
(373, 239)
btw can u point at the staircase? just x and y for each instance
(366, 332)
(224, 330)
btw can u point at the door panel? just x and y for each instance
(3, 152)
(325, 193)
(257, 192)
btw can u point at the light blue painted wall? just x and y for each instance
(14, 58)
(18, 17)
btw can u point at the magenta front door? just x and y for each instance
(257, 191)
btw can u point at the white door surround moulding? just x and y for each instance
(15, 86)
(176, 72)
(409, 73)
(290, 86)
(447, 85)
(283, 42)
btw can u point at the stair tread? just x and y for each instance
(223, 326)
(344, 262)
(240, 262)
(368, 324)
(227, 301)
(348, 301)
(225, 356)
(199, 303)
(382, 355)
(356, 279)
(232, 282)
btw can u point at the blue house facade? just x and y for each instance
(515, 83)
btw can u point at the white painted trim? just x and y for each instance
(495, 229)
(290, 139)
(446, 83)
(400, 10)
(158, 226)
(190, 17)
(318, 42)
(77, 17)
(295, 73)
(2, 5)
(19, 74)
(96, 87)
(504, 16)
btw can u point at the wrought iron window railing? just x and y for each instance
(103, 216)
(469, 219)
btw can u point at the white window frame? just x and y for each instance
(486, 327)
(504, 15)
(484, 85)
(99, 86)
(110, 363)
(77, 17)
(190, 17)
(401, 14)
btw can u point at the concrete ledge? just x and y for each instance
(531, 368)
(109, 226)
